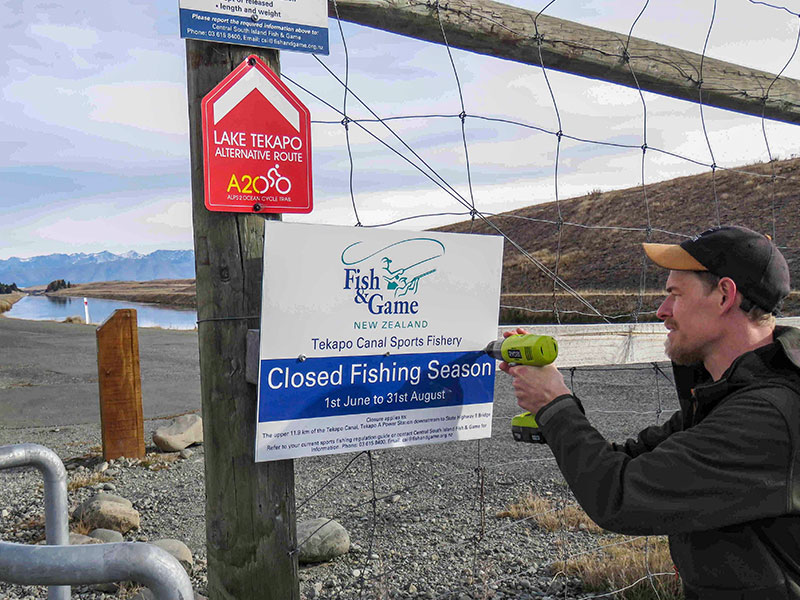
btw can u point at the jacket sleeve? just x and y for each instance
(731, 468)
(651, 437)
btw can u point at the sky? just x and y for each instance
(94, 153)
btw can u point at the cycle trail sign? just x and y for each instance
(256, 144)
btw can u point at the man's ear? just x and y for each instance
(727, 288)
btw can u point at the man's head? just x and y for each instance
(712, 276)
(750, 259)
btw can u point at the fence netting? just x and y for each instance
(494, 518)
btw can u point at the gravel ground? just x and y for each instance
(432, 531)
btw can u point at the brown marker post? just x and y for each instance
(119, 377)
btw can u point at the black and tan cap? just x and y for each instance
(749, 258)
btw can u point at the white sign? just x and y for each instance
(300, 25)
(374, 338)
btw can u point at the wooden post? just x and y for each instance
(120, 381)
(250, 512)
(496, 29)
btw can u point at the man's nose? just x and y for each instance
(665, 310)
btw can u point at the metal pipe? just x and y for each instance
(143, 563)
(56, 516)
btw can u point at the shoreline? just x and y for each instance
(8, 300)
(172, 293)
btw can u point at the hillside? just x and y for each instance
(598, 244)
(178, 293)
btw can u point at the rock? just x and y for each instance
(108, 511)
(184, 454)
(179, 550)
(78, 539)
(180, 433)
(107, 536)
(99, 497)
(320, 540)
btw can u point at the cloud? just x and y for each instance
(145, 222)
(177, 215)
(79, 38)
(157, 106)
(94, 113)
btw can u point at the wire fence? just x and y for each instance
(428, 521)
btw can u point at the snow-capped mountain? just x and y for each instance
(99, 266)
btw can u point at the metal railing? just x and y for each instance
(60, 565)
(56, 516)
(143, 563)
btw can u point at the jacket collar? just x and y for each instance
(694, 382)
(789, 339)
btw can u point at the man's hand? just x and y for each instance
(534, 387)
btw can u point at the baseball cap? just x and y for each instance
(748, 257)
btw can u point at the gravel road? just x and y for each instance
(422, 519)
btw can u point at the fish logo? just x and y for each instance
(397, 268)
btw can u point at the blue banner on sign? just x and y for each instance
(343, 385)
(232, 29)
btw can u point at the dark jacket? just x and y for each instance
(721, 477)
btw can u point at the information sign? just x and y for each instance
(256, 144)
(299, 25)
(374, 338)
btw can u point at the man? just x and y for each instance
(722, 476)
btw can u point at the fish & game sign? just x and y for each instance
(374, 339)
(256, 144)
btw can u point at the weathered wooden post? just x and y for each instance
(120, 382)
(250, 512)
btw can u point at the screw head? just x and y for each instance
(256, 207)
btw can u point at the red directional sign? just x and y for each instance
(256, 144)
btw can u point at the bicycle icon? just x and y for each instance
(273, 180)
(276, 180)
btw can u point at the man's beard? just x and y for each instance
(682, 355)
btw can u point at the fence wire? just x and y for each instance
(393, 513)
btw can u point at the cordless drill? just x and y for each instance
(525, 349)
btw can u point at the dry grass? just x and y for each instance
(156, 461)
(8, 300)
(81, 481)
(128, 590)
(549, 517)
(172, 292)
(641, 567)
(80, 527)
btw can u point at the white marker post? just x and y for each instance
(86, 309)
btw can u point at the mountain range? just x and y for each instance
(98, 266)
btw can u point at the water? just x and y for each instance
(49, 308)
